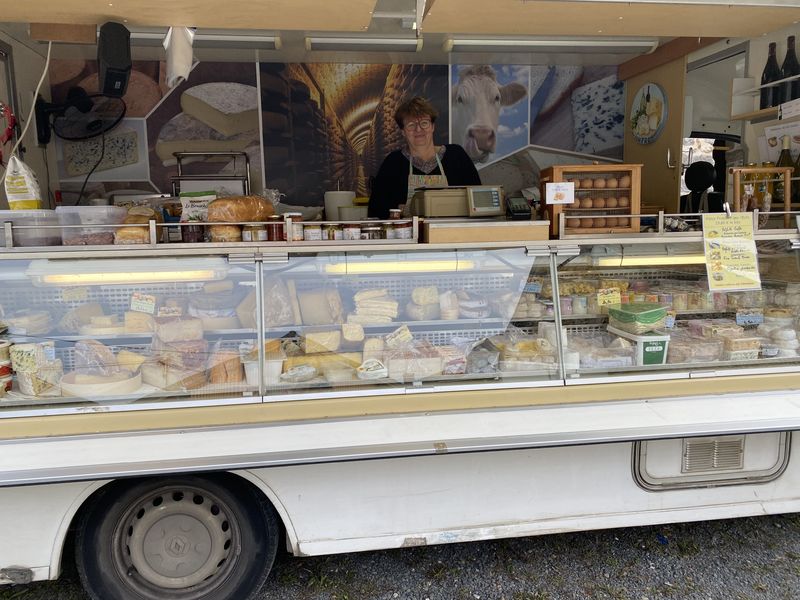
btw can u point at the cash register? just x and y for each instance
(459, 201)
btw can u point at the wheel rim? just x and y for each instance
(178, 538)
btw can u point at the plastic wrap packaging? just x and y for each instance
(237, 209)
(22, 187)
(413, 361)
(95, 358)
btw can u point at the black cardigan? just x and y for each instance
(391, 184)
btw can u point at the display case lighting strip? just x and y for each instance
(562, 45)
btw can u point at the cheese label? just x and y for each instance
(144, 303)
(562, 192)
(608, 296)
(750, 316)
(75, 294)
(170, 311)
(532, 287)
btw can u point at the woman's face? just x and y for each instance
(418, 131)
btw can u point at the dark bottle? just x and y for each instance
(790, 68)
(771, 96)
(784, 160)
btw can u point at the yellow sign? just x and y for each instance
(731, 255)
(608, 296)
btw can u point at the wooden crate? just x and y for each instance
(628, 194)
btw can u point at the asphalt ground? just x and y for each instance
(752, 558)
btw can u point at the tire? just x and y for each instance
(176, 538)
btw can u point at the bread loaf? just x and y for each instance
(225, 233)
(137, 235)
(238, 209)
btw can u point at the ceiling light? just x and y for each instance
(554, 45)
(229, 40)
(363, 44)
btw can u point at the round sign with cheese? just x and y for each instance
(648, 113)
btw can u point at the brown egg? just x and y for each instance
(611, 221)
(612, 182)
(573, 223)
(623, 221)
(587, 184)
(624, 202)
(599, 183)
(611, 202)
(600, 222)
(587, 202)
(599, 203)
(587, 223)
(625, 181)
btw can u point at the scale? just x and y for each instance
(459, 201)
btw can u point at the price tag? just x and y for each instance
(76, 294)
(669, 322)
(170, 311)
(559, 193)
(750, 316)
(533, 287)
(144, 303)
(608, 296)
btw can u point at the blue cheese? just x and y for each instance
(225, 106)
(121, 149)
(598, 110)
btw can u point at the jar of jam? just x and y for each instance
(254, 233)
(297, 226)
(395, 213)
(312, 233)
(276, 231)
(351, 231)
(403, 230)
(193, 234)
(372, 232)
(331, 231)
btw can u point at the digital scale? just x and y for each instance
(463, 201)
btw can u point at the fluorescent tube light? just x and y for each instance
(552, 45)
(125, 271)
(229, 40)
(399, 266)
(654, 261)
(363, 44)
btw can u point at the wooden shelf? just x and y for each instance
(757, 115)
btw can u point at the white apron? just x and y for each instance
(420, 181)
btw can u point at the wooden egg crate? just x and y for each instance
(607, 199)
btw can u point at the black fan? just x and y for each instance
(81, 117)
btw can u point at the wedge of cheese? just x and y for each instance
(184, 133)
(138, 322)
(323, 341)
(227, 107)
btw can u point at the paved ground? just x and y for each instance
(757, 558)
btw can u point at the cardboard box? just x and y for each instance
(447, 231)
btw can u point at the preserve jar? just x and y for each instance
(351, 231)
(254, 233)
(395, 213)
(312, 233)
(331, 231)
(403, 230)
(275, 229)
(372, 232)
(297, 225)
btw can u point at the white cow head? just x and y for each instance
(476, 102)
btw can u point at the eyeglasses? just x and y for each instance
(414, 125)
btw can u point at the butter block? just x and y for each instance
(225, 106)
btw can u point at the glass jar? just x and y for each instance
(372, 232)
(403, 230)
(388, 231)
(193, 234)
(297, 226)
(276, 232)
(254, 233)
(312, 233)
(331, 231)
(580, 305)
(351, 231)
(395, 213)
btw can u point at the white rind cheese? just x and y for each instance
(184, 133)
(598, 110)
(121, 149)
(229, 108)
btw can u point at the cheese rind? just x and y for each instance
(184, 133)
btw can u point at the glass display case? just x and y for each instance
(149, 331)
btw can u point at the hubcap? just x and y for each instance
(176, 538)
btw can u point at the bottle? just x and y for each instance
(784, 160)
(771, 96)
(796, 183)
(790, 68)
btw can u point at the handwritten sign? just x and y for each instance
(559, 193)
(144, 303)
(730, 251)
(608, 296)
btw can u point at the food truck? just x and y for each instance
(211, 351)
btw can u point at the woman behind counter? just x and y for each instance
(420, 164)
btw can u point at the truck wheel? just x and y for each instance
(181, 538)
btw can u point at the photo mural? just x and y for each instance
(312, 127)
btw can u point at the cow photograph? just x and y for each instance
(488, 115)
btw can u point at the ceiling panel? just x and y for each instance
(515, 17)
(331, 15)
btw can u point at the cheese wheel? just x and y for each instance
(587, 184)
(600, 222)
(624, 201)
(599, 183)
(572, 223)
(611, 202)
(625, 181)
(612, 182)
(611, 221)
(587, 223)
(587, 202)
(599, 203)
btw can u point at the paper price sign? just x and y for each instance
(608, 296)
(730, 252)
(144, 303)
(559, 193)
